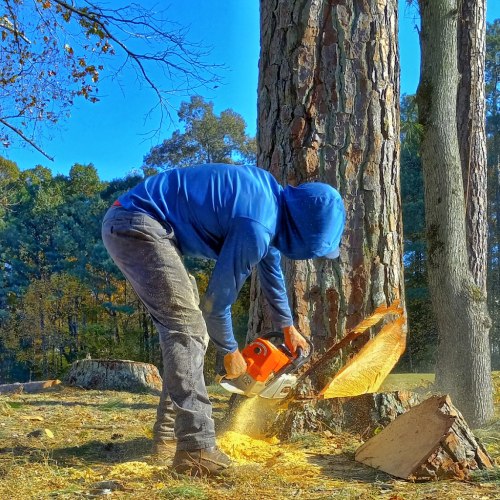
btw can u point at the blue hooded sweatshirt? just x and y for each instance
(241, 217)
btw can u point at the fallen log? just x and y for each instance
(114, 375)
(431, 441)
(30, 387)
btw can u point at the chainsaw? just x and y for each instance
(271, 368)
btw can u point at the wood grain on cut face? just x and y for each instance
(431, 441)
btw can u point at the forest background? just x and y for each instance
(62, 298)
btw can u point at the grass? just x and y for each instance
(190, 492)
(115, 404)
(217, 389)
(14, 405)
(106, 436)
(406, 381)
(487, 476)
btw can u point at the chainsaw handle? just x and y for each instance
(270, 335)
(300, 359)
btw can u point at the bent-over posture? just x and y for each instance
(240, 217)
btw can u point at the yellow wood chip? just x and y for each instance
(49, 433)
(32, 417)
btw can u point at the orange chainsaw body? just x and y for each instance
(271, 368)
(263, 358)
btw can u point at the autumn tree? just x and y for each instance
(328, 110)
(207, 138)
(459, 299)
(9, 173)
(53, 52)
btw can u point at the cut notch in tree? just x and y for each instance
(366, 370)
(114, 375)
(431, 441)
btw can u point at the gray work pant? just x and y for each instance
(145, 250)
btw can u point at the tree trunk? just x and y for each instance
(463, 366)
(471, 125)
(359, 415)
(114, 375)
(328, 110)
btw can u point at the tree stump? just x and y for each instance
(431, 441)
(361, 414)
(114, 375)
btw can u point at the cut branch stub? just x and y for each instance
(114, 375)
(431, 441)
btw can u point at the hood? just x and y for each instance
(311, 221)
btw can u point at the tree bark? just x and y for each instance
(359, 415)
(463, 367)
(328, 110)
(471, 125)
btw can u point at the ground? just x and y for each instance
(92, 444)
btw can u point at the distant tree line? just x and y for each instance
(61, 296)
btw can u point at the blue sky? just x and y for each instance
(108, 133)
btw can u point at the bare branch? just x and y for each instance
(29, 141)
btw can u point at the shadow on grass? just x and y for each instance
(105, 452)
(91, 452)
(345, 468)
(104, 404)
(123, 405)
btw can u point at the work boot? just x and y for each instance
(199, 463)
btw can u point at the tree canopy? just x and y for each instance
(53, 52)
(207, 138)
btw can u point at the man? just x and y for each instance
(240, 217)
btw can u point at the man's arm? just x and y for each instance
(273, 284)
(244, 246)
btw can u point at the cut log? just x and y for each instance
(30, 387)
(360, 415)
(431, 441)
(114, 375)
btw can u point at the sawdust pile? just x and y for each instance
(290, 462)
(246, 442)
(134, 469)
(247, 450)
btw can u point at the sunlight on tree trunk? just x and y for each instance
(471, 121)
(328, 111)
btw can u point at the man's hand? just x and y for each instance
(294, 339)
(234, 364)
